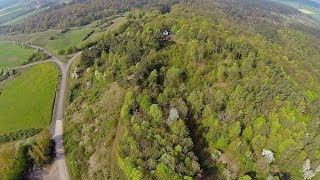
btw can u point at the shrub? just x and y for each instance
(14, 161)
(37, 56)
(40, 152)
(61, 52)
(21, 134)
(156, 113)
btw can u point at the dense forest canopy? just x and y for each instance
(221, 97)
(82, 12)
(186, 89)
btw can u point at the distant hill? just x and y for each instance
(6, 3)
(310, 8)
(312, 3)
(16, 10)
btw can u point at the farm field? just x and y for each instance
(39, 38)
(303, 7)
(13, 55)
(20, 18)
(55, 40)
(26, 101)
(306, 11)
(16, 10)
(59, 41)
(71, 38)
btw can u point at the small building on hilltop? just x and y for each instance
(166, 32)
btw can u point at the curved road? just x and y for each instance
(59, 169)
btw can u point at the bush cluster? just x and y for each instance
(5, 73)
(21, 134)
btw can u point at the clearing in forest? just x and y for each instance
(306, 11)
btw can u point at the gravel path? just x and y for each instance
(59, 169)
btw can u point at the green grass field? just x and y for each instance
(72, 38)
(27, 100)
(14, 11)
(13, 55)
(17, 10)
(61, 41)
(304, 8)
(39, 38)
(69, 39)
(306, 11)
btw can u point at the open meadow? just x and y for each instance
(12, 55)
(69, 39)
(52, 40)
(26, 101)
(55, 40)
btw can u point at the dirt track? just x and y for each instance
(59, 169)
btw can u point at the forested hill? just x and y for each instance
(264, 15)
(218, 98)
(79, 13)
(311, 3)
(82, 12)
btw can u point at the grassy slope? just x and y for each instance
(13, 11)
(20, 18)
(109, 129)
(100, 136)
(71, 38)
(40, 38)
(12, 54)
(63, 41)
(68, 39)
(117, 22)
(26, 101)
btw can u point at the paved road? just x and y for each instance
(59, 169)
